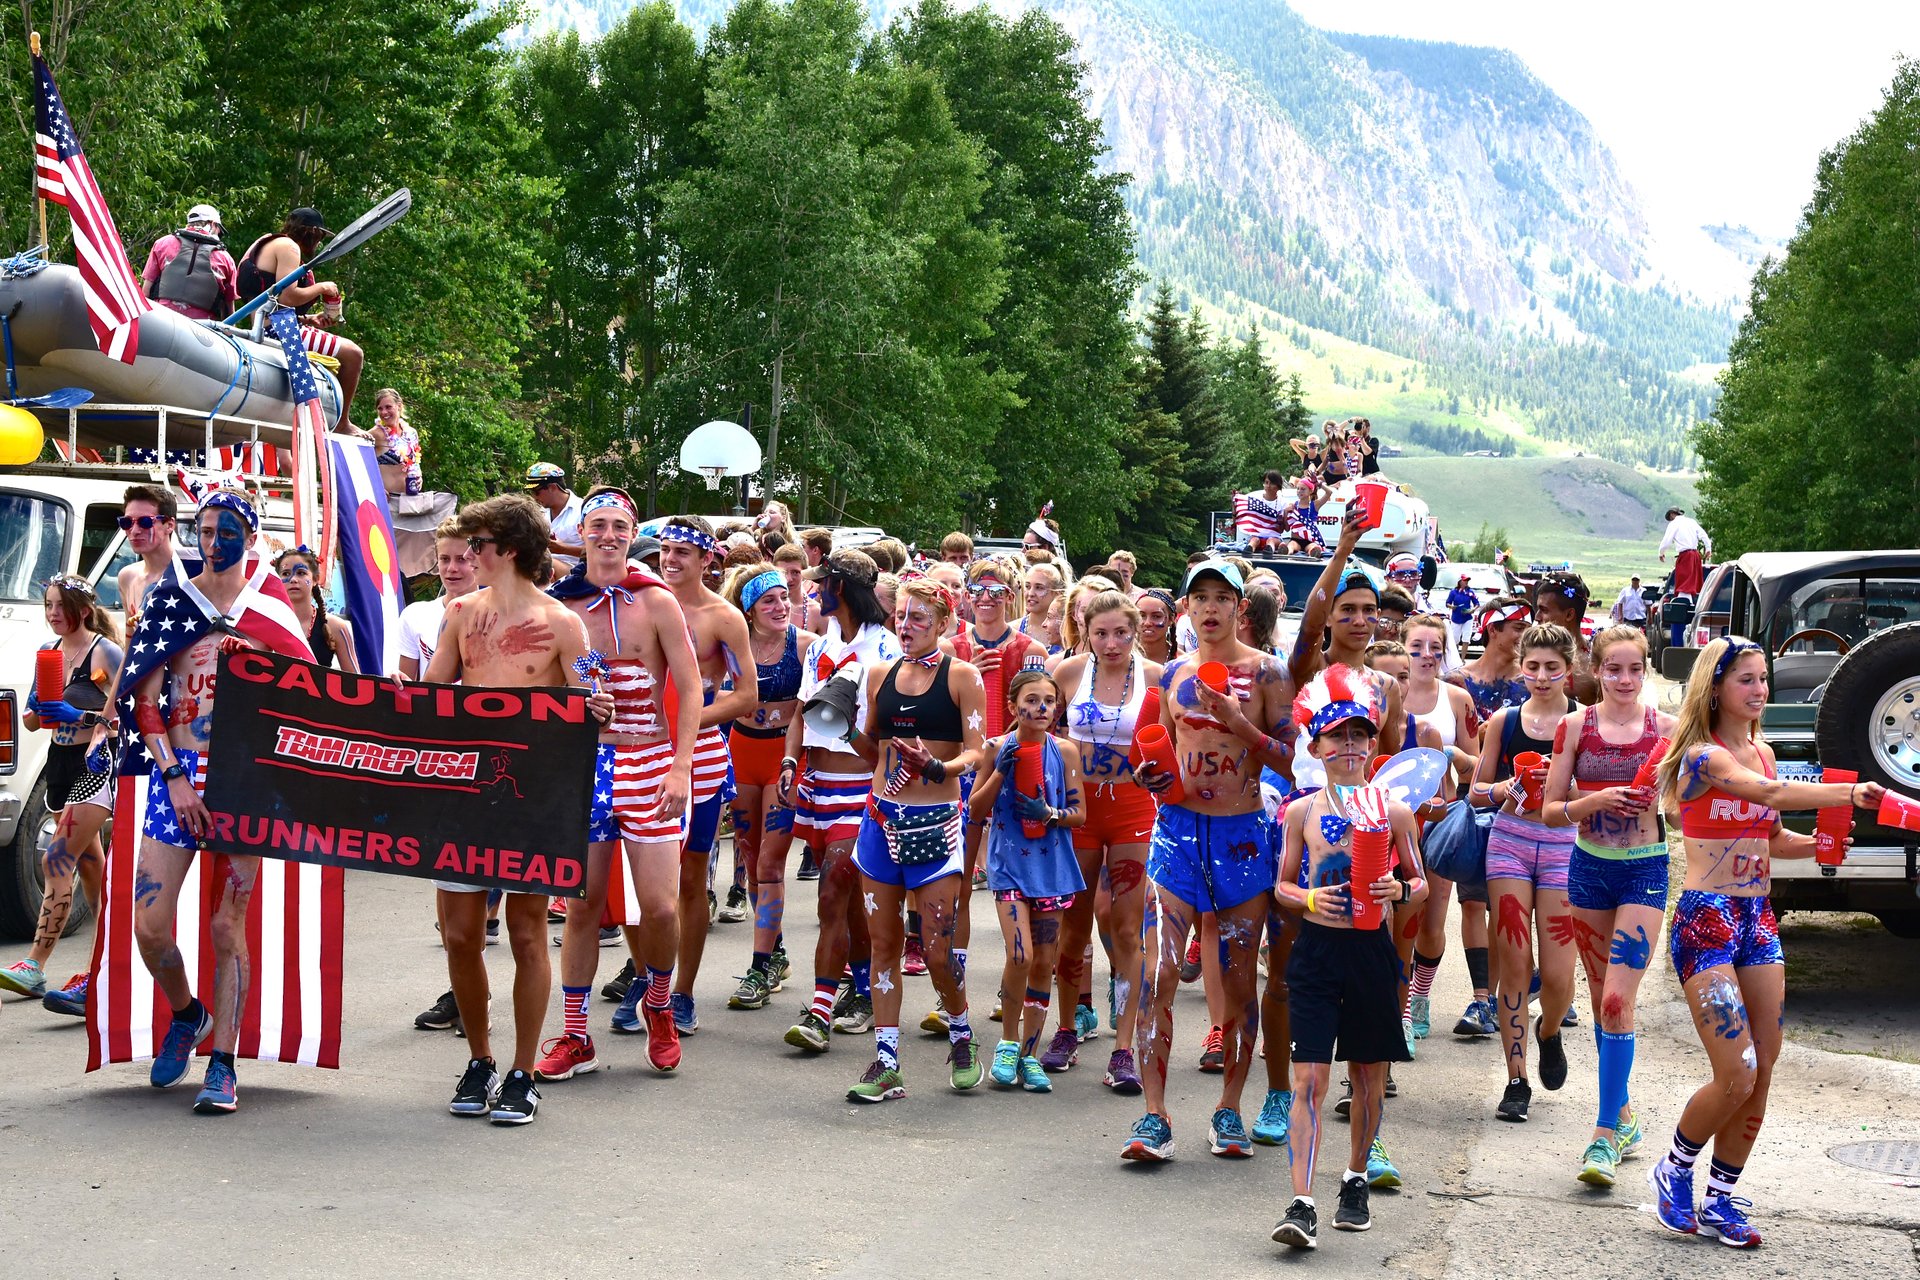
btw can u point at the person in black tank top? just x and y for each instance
(330, 637)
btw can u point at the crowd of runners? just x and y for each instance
(1131, 775)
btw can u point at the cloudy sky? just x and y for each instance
(1717, 111)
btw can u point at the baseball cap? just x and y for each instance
(1402, 565)
(204, 213)
(1675, 511)
(1214, 567)
(544, 473)
(308, 216)
(645, 547)
(857, 565)
(1337, 693)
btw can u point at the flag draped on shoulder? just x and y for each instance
(369, 555)
(115, 301)
(296, 920)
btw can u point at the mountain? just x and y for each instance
(1435, 202)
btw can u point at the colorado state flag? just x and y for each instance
(375, 592)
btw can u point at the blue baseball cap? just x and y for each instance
(1215, 568)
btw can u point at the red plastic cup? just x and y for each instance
(1149, 715)
(1155, 747)
(1030, 776)
(997, 714)
(1372, 861)
(1524, 766)
(1379, 763)
(1899, 811)
(1370, 496)
(1213, 675)
(1831, 825)
(49, 675)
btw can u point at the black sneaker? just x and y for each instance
(842, 1000)
(1514, 1103)
(1353, 1214)
(616, 990)
(1553, 1057)
(1345, 1104)
(443, 1015)
(493, 933)
(517, 1100)
(734, 909)
(808, 869)
(1300, 1229)
(1393, 1090)
(474, 1096)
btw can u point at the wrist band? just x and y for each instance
(789, 762)
(1566, 814)
(1311, 909)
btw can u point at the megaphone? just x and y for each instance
(830, 711)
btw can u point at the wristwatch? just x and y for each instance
(174, 770)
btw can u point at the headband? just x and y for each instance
(234, 503)
(1493, 617)
(67, 582)
(687, 534)
(1039, 530)
(608, 498)
(758, 585)
(1164, 597)
(1736, 645)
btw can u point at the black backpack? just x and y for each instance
(189, 279)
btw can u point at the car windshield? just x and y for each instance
(1852, 607)
(1722, 601)
(33, 543)
(1297, 576)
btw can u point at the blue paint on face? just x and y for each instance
(230, 537)
(829, 600)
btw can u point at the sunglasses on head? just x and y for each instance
(145, 522)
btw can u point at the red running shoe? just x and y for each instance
(556, 910)
(913, 961)
(566, 1057)
(663, 1038)
(1190, 966)
(1213, 1055)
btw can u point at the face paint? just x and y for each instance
(829, 601)
(229, 540)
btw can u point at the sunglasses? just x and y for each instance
(988, 592)
(1405, 575)
(145, 522)
(475, 543)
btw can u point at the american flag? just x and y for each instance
(296, 922)
(61, 174)
(308, 421)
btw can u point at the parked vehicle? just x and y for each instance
(1669, 608)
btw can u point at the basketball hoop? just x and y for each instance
(719, 449)
(714, 475)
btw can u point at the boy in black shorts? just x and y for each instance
(1342, 982)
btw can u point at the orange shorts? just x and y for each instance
(756, 760)
(1117, 813)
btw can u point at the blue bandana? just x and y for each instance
(681, 533)
(234, 503)
(1333, 828)
(759, 585)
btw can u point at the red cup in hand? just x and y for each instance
(1213, 675)
(1372, 862)
(1371, 499)
(49, 675)
(1899, 811)
(1832, 825)
(1030, 776)
(1531, 768)
(1156, 749)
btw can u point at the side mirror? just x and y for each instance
(1676, 663)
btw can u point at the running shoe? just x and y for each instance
(1006, 1064)
(913, 960)
(473, 1096)
(24, 978)
(858, 1017)
(626, 1018)
(1152, 1139)
(1553, 1058)
(220, 1094)
(1033, 1076)
(493, 933)
(1515, 1101)
(1213, 1054)
(809, 869)
(1413, 1041)
(1627, 1134)
(1489, 1022)
(1121, 1076)
(1227, 1136)
(754, 992)
(1470, 1023)
(1421, 1009)
(980, 880)
(1380, 1171)
(517, 1100)
(1276, 1113)
(1392, 1089)
(935, 1023)
(879, 1084)
(1190, 964)
(965, 1057)
(663, 1038)
(176, 1050)
(685, 1020)
(566, 1057)
(1673, 1197)
(735, 908)
(999, 1013)
(556, 910)
(1571, 1018)
(1598, 1166)
(842, 997)
(610, 935)
(1113, 1006)
(810, 1033)
(444, 1014)
(1063, 1051)
(70, 999)
(713, 907)
(617, 989)
(780, 966)
(1300, 1229)
(1353, 1214)
(1344, 1107)
(1724, 1218)
(1086, 1023)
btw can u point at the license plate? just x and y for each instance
(1797, 771)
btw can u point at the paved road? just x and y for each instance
(748, 1162)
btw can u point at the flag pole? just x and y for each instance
(39, 201)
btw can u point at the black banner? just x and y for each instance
(486, 787)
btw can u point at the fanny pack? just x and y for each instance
(918, 834)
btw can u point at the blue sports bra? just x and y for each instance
(780, 681)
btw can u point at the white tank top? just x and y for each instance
(1441, 718)
(1102, 725)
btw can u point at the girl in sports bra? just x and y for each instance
(1492, 679)
(1719, 774)
(762, 828)
(1107, 692)
(1617, 876)
(1527, 869)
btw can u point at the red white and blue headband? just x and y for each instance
(1498, 614)
(759, 585)
(234, 503)
(610, 498)
(688, 535)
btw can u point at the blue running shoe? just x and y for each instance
(1723, 1218)
(1113, 1007)
(1151, 1140)
(1421, 1009)
(1086, 1023)
(626, 1014)
(170, 1064)
(219, 1095)
(1033, 1076)
(1380, 1170)
(1229, 1136)
(1006, 1064)
(685, 1020)
(1673, 1197)
(1627, 1134)
(1270, 1126)
(70, 999)
(1489, 1025)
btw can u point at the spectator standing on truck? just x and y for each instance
(190, 269)
(1690, 545)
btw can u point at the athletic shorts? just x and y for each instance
(1063, 902)
(703, 825)
(162, 823)
(1213, 862)
(1522, 850)
(1714, 929)
(1343, 996)
(626, 789)
(756, 759)
(712, 770)
(320, 341)
(1117, 813)
(874, 859)
(830, 806)
(1596, 882)
(71, 781)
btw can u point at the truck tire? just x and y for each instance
(1901, 924)
(22, 881)
(1869, 718)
